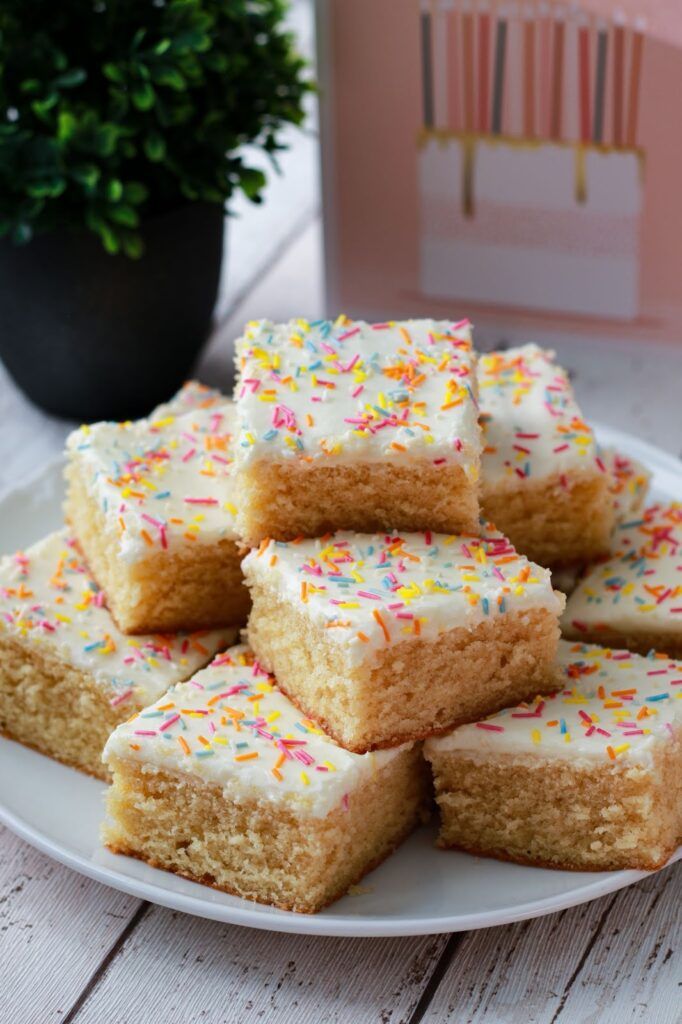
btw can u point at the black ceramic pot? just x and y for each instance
(92, 336)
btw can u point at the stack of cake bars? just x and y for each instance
(383, 512)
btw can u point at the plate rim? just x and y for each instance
(262, 917)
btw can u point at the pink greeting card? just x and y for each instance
(519, 161)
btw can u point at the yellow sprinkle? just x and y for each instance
(304, 779)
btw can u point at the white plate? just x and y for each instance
(419, 890)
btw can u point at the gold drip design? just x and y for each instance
(469, 160)
(580, 175)
(470, 140)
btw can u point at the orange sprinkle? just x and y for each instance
(277, 773)
(363, 637)
(611, 752)
(377, 616)
(183, 743)
(262, 546)
(304, 591)
(273, 561)
(204, 741)
(146, 538)
(247, 757)
(190, 536)
(398, 447)
(280, 761)
(134, 746)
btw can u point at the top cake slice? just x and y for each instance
(634, 599)
(543, 482)
(350, 425)
(151, 505)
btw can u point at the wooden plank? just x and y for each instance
(201, 971)
(55, 928)
(634, 971)
(606, 961)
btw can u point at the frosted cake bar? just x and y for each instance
(391, 637)
(152, 506)
(634, 598)
(68, 676)
(350, 425)
(225, 782)
(589, 778)
(543, 482)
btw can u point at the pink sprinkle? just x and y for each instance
(357, 391)
(188, 455)
(348, 334)
(169, 721)
(365, 593)
(120, 698)
(490, 728)
(201, 501)
(145, 732)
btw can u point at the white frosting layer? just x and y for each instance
(161, 482)
(369, 590)
(192, 395)
(352, 391)
(48, 599)
(232, 727)
(639, 588)
(612, 705)
(532, 426)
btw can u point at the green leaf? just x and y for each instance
(143, 96)
(155, 147)
(106, 138)
(109, 239)
(114, 72)
(42, 107)
(70, 79)
(133, 246)
(162, 47)
(31, 85)
(66, 125)
(114, 190)
(87, 175)
(123, 214)
(170, 77)
(134, 192)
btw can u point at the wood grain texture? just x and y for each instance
(612, 961)
(55, 929)
(184, 970)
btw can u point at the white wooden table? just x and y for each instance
(72, 950)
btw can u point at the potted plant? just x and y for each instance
(122, 127)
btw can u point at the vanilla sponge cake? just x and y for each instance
(151, 504)
(634, 598)
(383, 638)
(589, 778)
(543, 483)
(68, 676)
(628, 486)
(224, 781)
(350, 425)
